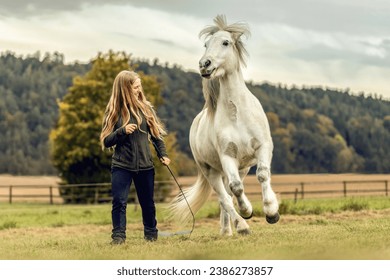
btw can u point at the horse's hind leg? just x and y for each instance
(263, 173)
(226, 228)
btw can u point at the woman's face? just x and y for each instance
(136, 87)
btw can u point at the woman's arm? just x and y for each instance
(113, 138)
(159, 145)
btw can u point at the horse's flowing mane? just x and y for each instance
(211, 87)
(210, 93)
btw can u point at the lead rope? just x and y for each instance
(182, 193)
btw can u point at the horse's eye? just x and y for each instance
(225, 43)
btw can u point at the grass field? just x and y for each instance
(351, 228)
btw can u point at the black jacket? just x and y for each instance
(132, 151)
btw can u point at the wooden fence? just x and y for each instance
(99, 193)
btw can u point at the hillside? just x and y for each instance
(314, 129)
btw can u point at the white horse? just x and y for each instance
(229, 135)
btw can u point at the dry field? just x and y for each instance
(36, 188)
(32, 188)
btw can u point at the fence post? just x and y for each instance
(302, 190)
(296, 195)
(10, 194)
(96, 194)
(386, 188)
(51, 195)
(72, 194)
(345, 188)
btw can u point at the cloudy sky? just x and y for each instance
(332, 43)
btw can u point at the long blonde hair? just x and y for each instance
(125, 103)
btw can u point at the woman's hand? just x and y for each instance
(130, 128)
(165, 161)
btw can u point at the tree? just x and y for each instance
(386, 122)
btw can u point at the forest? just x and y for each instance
(314, 129)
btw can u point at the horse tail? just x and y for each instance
(196, 196)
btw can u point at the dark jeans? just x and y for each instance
(144, 185)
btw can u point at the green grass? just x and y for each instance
(309, 229)
(32, 215)
(318, 206)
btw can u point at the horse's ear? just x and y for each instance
(237, 36)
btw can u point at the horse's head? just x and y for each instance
(219, 57)
(224, 48)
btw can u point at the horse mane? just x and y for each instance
(210, 93)
(211, 87)
(236, 29)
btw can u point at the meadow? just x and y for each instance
(339, 228)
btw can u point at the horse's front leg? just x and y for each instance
(230, 168)
(263, 173)
(227, 208)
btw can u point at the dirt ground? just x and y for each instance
(37, 188)
(6, 179)
(32, 188)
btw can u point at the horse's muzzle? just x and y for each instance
(204, 69)
(206, 73)
(206, 76)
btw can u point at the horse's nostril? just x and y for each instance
(204, 63)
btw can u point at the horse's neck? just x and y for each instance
(232, 87)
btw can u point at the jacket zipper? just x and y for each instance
(136, 150)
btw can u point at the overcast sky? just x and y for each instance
(332, 43)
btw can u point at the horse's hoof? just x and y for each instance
(226, 233)
(244, 231)
(247, 218)
(273, 219)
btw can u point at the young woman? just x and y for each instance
(129, 122)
